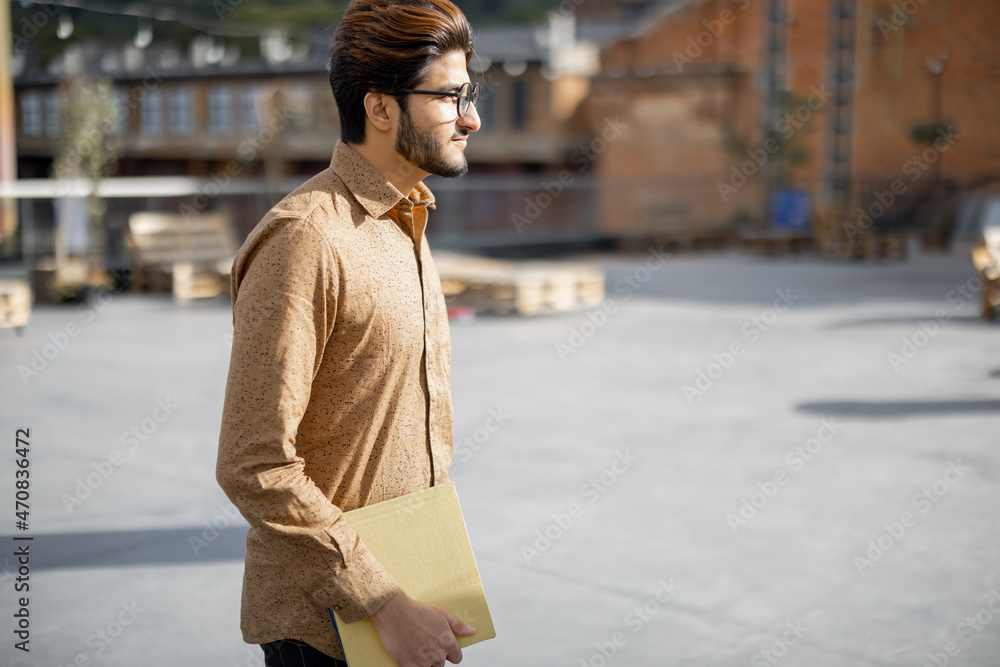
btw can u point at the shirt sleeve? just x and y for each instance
(285, 298)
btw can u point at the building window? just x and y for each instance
(151, 109)
(248, 110)
(519, 113)
(52, 114)
(181, 123)
(220, 110)
(31, 115)
(300, 106)
(121, 107)
(486, 106)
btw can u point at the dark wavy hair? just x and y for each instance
(384, 46)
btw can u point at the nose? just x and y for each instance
(471, 119)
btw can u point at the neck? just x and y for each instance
(384, 157)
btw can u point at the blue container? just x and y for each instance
(790, 210)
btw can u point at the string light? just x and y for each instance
(65, 28)
(217, 28)
(144, 34)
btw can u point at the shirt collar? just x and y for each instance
(372, 190)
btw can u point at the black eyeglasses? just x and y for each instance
(466, 96)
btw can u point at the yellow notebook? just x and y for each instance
(421, 540)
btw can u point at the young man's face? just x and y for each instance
(431, 135)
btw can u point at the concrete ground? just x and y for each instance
(740, 461)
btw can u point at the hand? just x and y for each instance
(416, 634)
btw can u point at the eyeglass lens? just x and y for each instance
(468, 96)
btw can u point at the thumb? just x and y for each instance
(458, 627)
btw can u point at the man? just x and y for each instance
(338, 390)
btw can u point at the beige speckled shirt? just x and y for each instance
(338, 393)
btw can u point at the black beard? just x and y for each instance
(422, 153)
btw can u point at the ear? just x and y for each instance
(381, 110)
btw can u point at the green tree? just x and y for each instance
(86, 147)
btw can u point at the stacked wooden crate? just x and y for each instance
(190, 256)
(523, 287)
(15, 304)
(986, 260)
(838, 233)
(775, 242)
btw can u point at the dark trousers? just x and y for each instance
(294, 653)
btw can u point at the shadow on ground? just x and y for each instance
(898, 409)
(176, 546)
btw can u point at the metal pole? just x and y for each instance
(842, 80)
(776, 85)
(8, 155)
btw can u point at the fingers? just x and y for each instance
(455, 655)
(448, 641)
(458, 627)
(417, 638)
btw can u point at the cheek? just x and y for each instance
(444, 132)
(438, 124)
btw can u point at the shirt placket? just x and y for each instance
(413, 220)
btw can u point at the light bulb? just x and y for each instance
(144, 34)
(65, 28)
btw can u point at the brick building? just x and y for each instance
(686, 120)
(726, 100)
(261, 126)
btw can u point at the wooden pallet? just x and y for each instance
(677, 243)
(986, 261)
(15, 304)
(776, 243)
(868, 246)
(838, 235)
(189, 256)
(526, 288)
